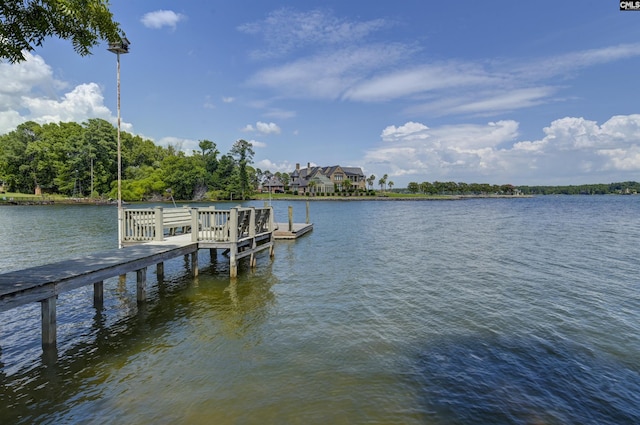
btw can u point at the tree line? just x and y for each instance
(79, 160)
(453, 188)
(460, 188)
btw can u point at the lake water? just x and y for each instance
(502, 311)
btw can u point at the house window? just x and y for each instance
(338, 177)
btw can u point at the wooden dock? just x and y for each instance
(291, 230)
(284, 231)
(149, 240)
(150, 237)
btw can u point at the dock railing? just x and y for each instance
(235, 225)
(205, 224)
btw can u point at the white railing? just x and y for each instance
(139, 225)
(234, 225)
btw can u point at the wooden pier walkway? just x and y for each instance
(150, 237)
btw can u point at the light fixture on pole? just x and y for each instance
(119, 47)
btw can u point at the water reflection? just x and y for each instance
(177, 311)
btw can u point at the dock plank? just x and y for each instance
(41, 282)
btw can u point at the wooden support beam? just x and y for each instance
(49, 322)
(98, 295)
(141, 284)
(194, 263)
(290, 218)
(160, 270)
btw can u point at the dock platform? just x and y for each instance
(283, 231)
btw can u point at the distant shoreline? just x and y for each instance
(79, 201)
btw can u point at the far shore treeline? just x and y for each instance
(79, 160)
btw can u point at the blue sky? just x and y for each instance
(496, 92)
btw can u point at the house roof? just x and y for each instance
(273, 181)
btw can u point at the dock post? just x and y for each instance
(272, 227)
(160, 270)
(98, 295)
(158, 229)
(307, 213)
(252, 234)
(142, 284)
(233, 237)
(290, 218)
(49, 323)
(195, 224)
(194, 264)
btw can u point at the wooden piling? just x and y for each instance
(49, 322)
(141, 286)
(290, 218)
(98, 295)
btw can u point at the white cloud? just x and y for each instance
(257, 144)
(29, 92)
(268, 128)
(263, 127)
(419, 79)
(181, 144)
(162, 18)
(83, 101)
(274, 167)
(286, 30)
(572, 149)
(337, 59)
(327, 75)
(408, 131)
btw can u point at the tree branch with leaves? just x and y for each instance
(24, 25)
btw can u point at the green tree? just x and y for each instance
(26, 24)
(101, 143)
(242, 152)
(13, 151)
(371, 180)
(413, 187)
(182, 174)
(382, 182)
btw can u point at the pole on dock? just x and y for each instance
(290, 218)
(307, 212)
(120, 47)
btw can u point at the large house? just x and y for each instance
(326, 179)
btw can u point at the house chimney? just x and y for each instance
(309, 166)
(297, 166)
